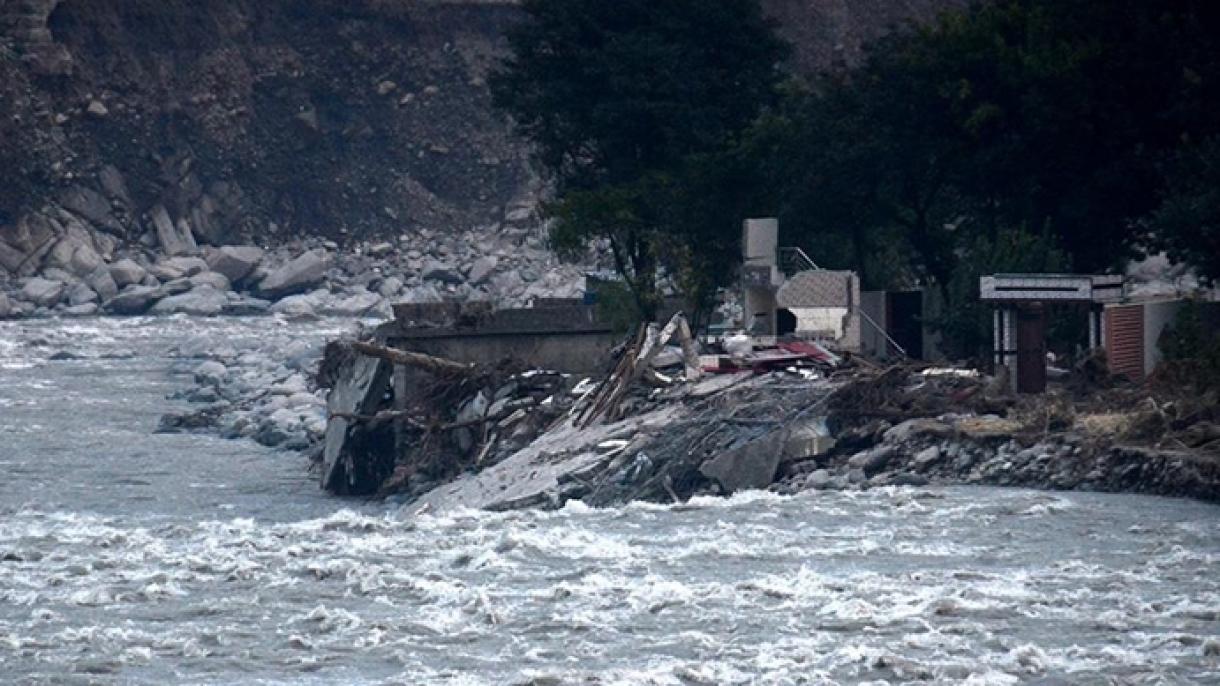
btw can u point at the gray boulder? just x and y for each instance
(81, 310)
(236, 262)
(175, 239)
(6, 306)
(91, 205)
(872, 461)
(297, 307)
(390, 287)
(176, 287)
(750, 465)
(175, 267)
(244, 307)
(81, 294)
(204, 301)
(352, 306)
(210, 373)
(24, 245)
(43, 292)
(928, 456)
(133, 300)
(214, 279)
(126, 272)
(481, 270)
(296, 276)
(818, 479)
(74, 255)
(102, 283)
(439, 271)
(917, 427)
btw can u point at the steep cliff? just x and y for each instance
(267, 119)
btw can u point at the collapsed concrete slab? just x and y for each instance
(359, 390)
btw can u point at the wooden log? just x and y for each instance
(429, 363)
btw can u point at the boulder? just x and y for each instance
(57, 274)
(390, 287)
(133, 300)
(917, 427)
(872, 461)
(74, 255)
(102, 283)
(751, 465)
(296, 276)
(481, 270)
(81, 310)
(184, 266)
(352, 306)
(236, 262)
(6, 306)
(204, 301)
(206, 223)
(296, 307)
(210, 373)
(244, 307)
(126, 272)
(818, 479)
(23, 246)
(174, 239)
(43, 292)
(928, 456)
(213, 279)
(439, 271)
(81, 294)
(91, 205)
(114, 185)
(176, 287)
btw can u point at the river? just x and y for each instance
(128, 557)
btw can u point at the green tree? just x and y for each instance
(1052, 114)
(1187, 224)
(621, 100)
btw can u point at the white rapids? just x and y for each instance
(133, 558)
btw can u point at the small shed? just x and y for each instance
(1019, 318)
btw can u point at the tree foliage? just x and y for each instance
(1083, 120)
(622, 100)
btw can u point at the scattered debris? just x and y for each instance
(789, 416)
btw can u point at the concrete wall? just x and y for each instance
(760, 242)
(1157, 316)
(872, 340)
(574, 352)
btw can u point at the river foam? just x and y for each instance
(134, 558)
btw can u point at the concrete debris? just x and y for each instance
(495, 436)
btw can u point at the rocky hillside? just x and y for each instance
(124, 123)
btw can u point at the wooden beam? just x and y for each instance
(428, 363)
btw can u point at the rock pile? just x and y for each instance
(307, 278)
(994, 451)
(262, 394)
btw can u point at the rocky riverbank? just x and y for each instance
(305, 278)
(996, 452)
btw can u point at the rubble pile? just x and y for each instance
(904, 428)
(657, 428)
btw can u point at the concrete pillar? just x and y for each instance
(997, 338)
(1010, 345)
(1094, 329)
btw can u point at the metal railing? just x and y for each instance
(793, 260)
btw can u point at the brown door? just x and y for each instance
(1031, 350)
(1125, 341)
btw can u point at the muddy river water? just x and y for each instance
(130, 557)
